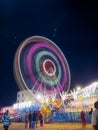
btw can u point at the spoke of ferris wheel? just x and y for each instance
(58, 87)
(58, 84)
(35, 84)
(38, 90)
(44, 87)
(51, 84)
(54, 90)
(53, 87)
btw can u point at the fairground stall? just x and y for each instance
(62, 108)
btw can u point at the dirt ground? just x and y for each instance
(53, 126)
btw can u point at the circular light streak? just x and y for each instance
(49, 67)
(40, 66)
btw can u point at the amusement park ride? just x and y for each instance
(41, 68)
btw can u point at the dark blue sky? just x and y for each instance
(72, 25)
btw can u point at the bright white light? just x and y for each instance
(74, 93)
(22, 105)
(15, 106)
(78, 88)
(38, 96)
(63, 95)
(46, 100)
(29, 104)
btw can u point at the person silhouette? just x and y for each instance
(95, 116)
(6, 120)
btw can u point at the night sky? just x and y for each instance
(72, 25)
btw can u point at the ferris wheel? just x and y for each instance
(40, 66)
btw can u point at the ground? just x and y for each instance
(53, 126)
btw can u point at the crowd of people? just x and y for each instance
(32, 118)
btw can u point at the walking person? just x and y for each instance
(30, 120)
(33, 119)
(37, 117)
(83, 120)
(26, 119)
(41, 119)
(6, 120)
(95, 116)
(90, 113)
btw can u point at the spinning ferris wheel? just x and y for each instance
(40, 66)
